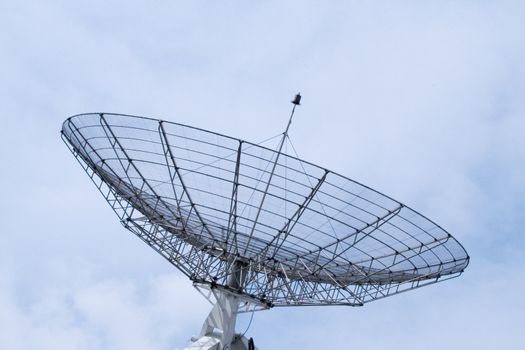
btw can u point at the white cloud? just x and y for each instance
(159, 312)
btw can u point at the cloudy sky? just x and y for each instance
(422, 100)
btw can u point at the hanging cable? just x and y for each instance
(249, 324)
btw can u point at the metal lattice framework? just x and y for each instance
(218, 207)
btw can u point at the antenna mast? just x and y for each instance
(296, 102)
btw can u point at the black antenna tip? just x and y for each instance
(297, 100)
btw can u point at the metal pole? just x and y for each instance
(296, 102)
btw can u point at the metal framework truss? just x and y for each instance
(217, 207)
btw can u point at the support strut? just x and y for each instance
(218, 330)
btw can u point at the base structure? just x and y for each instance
(218, 330)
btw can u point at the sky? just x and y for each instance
(422, 100)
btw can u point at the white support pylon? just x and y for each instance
(218, 330)
(222, 317)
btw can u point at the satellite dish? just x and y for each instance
(255, 228)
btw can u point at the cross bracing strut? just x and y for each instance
(163, 134)
(232, 220)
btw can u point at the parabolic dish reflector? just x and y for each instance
(217, 206)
